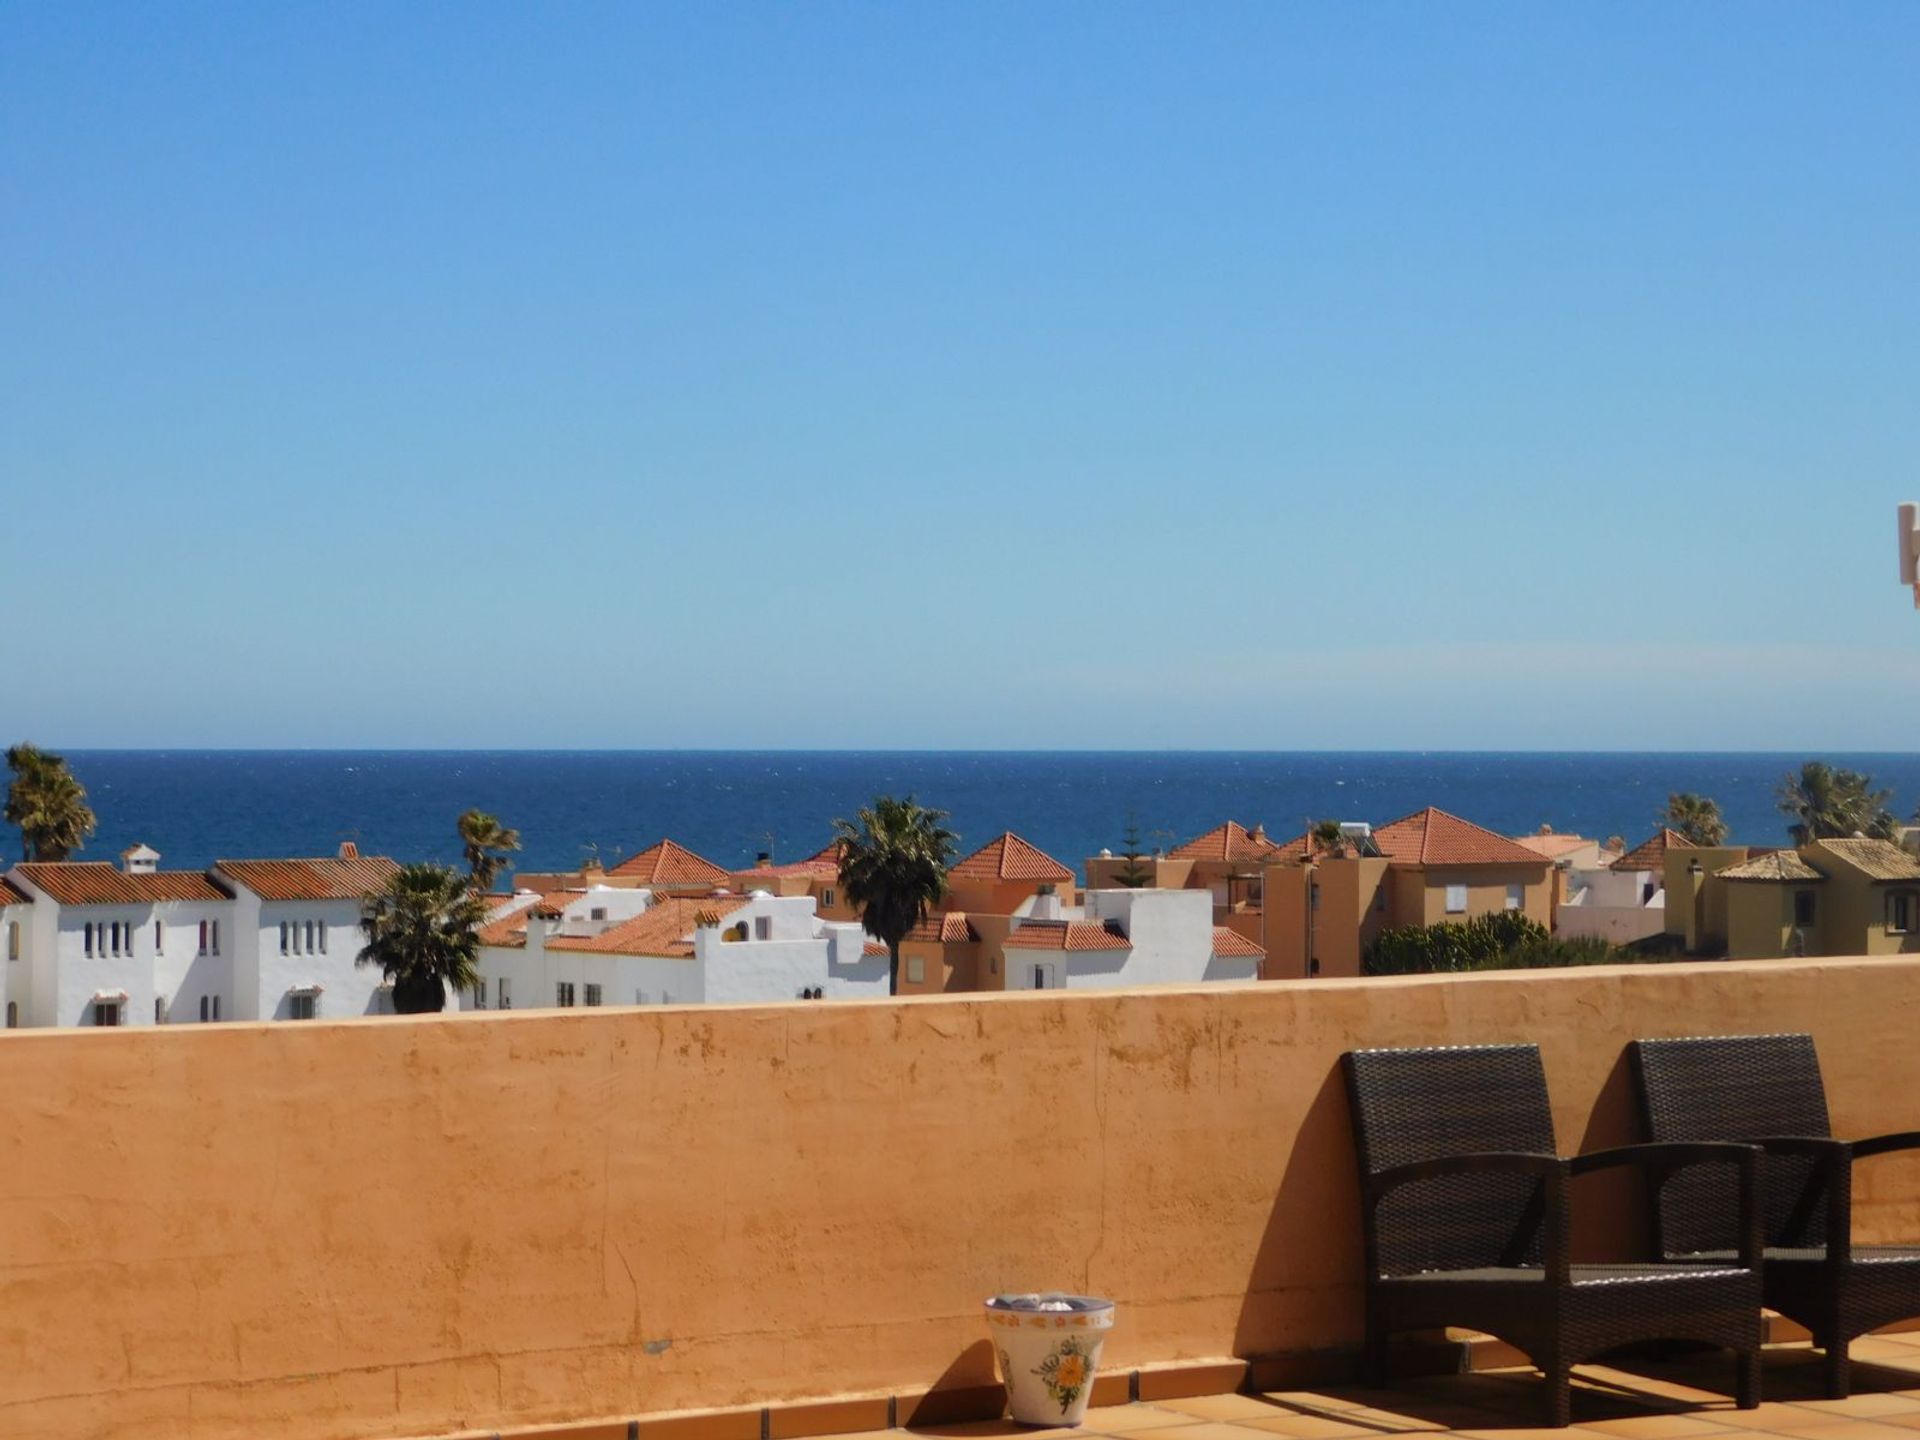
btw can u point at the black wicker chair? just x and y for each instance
(1465, 1213)
(1766, 1089)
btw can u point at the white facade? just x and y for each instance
(1618, 906)
(1168, 940)
(225, 954)
(766, 948)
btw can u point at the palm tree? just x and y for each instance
(486, 843)
(1824, 802)
(423, 931)
(1694, 817)
(47, 803)
(893, 866)
(1328, 838)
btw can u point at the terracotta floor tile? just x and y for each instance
(1854, 1430)
(1221, 1430)
(1312, 1427)
(1126, 1419)
(992, 1430)
(1652, 1427)
(1222, 1407)
(1868, 1406)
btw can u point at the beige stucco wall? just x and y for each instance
(407, 1226)
(1486, 892)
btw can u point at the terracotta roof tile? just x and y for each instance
(1433, 837)
(1876, 859)
(1008, 857)
(664, 928)
(823, 864)
(1552, 847)
(1231, 943)
(11, 894)
(329, 879)
(1651, 854)
(1776, 865)
(98, 882)
(1068, 935)
(668, 863)
(873, 947)
(1231, 841)
(951, 927)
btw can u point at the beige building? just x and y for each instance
(1829, 897)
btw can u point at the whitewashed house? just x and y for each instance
(92, 943)
(1126, 937)
(1623, 900)
(298, 926)
(604, 946)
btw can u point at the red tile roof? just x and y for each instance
(1231, 841)
(98, 882)
(823, 864)
(1652, 854)
(1550, 846)
(664, 928)
(951, 927)
(668, 863)
(332, 879)
(1068, 935)
(11, 894)
(1433, 837)
(1232, 944)
(1008, 857)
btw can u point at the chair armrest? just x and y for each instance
(1477, 1162)
(1666, 1155)
(1884, 1144)
(1660, 1157)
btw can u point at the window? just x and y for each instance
(826, 899)
(310, 949)
(763, 927)
(1456, 899)
(563, 994)
(106, 1012)
(216, 937)
(1380, 901)
(13, 940)
(301, 1007)
(89, 940)
(159, 1012)
(323, 937)
(216, 1007)
(916, 970)
(1900, 907)
(158, 942)
(1313, 895)
(1516, 896)
(480, 994)
(639, 997)
(593, 994)
(203, 944)
(1803, 907)
(1040, 977)
(284, 949)
(505, 994)
(13, 1015)
(203, 1009)
(598, 912)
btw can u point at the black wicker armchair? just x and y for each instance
(1767, 1090)
(1465, 1214)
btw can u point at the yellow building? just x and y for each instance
(1829, 897)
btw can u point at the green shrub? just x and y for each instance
(1504, 940)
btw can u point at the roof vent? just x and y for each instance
(139, 860)
(1259, 832)
(349, 850)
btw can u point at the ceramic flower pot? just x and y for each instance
(1049, 1351)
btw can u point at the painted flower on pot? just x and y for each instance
(1065, 1372)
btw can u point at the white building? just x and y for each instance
(606, 946)
(1623, 901)
(1126, 937)
(92, 943)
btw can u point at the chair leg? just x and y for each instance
(1839, 1376)
(1746, 1388)
(1559, 1407)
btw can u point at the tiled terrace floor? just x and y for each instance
(1655, 1400)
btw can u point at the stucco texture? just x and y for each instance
(404, 1227)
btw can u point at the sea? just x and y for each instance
(196, 806)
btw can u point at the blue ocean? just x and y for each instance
(198, 806)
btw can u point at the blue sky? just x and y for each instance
(1467, 376)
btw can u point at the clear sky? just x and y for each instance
(1031, 375)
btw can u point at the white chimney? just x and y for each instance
(140, 860)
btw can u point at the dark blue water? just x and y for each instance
(197, 806)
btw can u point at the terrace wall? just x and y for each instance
(404, 1227)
